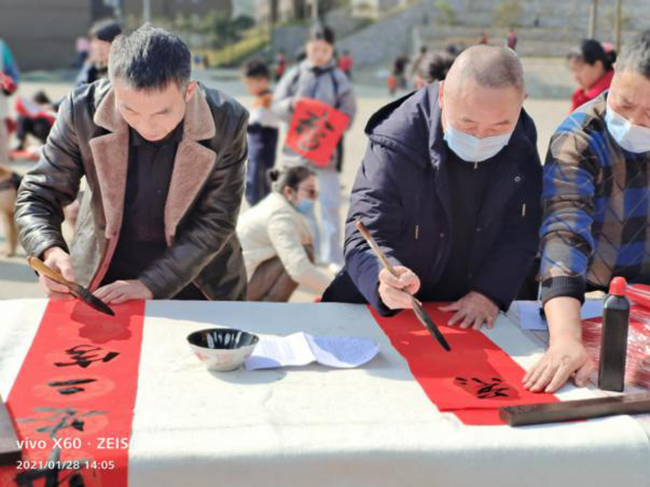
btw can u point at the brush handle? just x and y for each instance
(380, 254)
(371, 241)
(40, 267)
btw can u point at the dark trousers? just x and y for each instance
(339, 155)
(262, 145)
(38, 127)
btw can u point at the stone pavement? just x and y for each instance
(17, 281)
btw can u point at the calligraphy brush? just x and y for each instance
(76, 290)
(421, 315)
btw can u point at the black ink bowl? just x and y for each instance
(222, 349)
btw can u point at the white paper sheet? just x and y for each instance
(302, 349)
(273, 352)
(342, 352)
(532, 320)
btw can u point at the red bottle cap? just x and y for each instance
(618, 286)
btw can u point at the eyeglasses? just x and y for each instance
(310, 192)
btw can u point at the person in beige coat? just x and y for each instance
(277, 240)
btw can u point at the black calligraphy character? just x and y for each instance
(314, 129)
(57, 419)
(306, 124)
(84, 355)
(484, 389)
(70, 387)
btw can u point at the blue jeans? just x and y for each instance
(327, 238)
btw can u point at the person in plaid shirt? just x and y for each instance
(596, 201)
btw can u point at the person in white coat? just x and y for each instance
(277, 239)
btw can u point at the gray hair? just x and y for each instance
(149, 59)
(635, 55)
(488, 66)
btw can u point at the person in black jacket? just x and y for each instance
(450, 188)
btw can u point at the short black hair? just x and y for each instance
(321, 32)
(105, 30)
(591, 51)
(255, 69)
(41, 98)
(635, 55)
(435, 66)
(149, 59)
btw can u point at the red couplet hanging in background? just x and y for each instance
(315, 130)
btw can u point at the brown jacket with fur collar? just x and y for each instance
(91, 139)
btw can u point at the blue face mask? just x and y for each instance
(473, 149)
(305, 206)
(632, 138)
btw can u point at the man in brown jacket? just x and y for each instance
(164, 161)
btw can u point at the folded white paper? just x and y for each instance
(302, 349)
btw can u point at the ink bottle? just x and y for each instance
(613, 342)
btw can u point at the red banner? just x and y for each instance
(73, 398)
(472, 381)
(315, 130)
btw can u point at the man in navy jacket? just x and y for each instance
(450, 188)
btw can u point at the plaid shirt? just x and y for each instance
(596, 208)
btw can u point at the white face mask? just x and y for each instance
(473, 149)
(633, 138)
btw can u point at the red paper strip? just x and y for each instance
(472, 381)
(74, 395)
(315, 130)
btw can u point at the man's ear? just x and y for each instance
(191, 88)
(440, 90)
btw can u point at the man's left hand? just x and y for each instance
(472, 311)
(122, 291)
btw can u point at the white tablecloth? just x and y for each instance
(316, 426)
